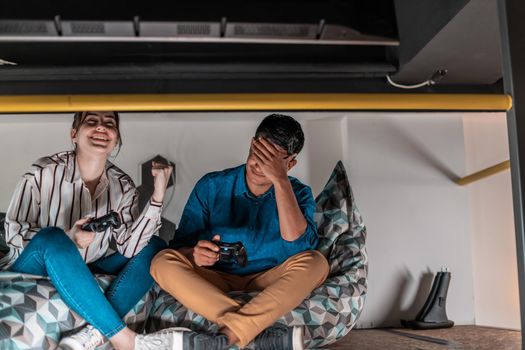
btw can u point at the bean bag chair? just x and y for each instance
(33, 315)
(331, 311)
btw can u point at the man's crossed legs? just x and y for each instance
(203, 290)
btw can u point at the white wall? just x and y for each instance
(196, 142)
(492, 223)
(23, 139)
(323, 149)
(400, 167)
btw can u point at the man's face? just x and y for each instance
(254, 175)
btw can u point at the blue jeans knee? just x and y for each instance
(51, 236)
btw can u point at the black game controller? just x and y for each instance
(232, 253)
(102, 223)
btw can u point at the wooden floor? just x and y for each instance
(458, 337)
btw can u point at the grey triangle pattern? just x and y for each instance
(33, 316)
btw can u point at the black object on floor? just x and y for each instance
(433, 314)
(421, 337)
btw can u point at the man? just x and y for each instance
(272, 215)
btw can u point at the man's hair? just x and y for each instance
(79, 117)
(282, 130)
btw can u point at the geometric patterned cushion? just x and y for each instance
(332, 309)
(342, 238)
(33, 315)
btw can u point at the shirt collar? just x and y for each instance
(240, 181)
(102, 185)
(73, 172)
(241, 187)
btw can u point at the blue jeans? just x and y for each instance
(52, 253)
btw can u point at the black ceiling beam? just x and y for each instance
(262, 84)
(512, 30)
(232, 71)
(63, 54)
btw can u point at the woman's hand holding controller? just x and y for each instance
(81, 238)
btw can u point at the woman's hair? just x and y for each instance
(79, 117)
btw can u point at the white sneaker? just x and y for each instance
(166, 339)
(88, 338)
(177, 338)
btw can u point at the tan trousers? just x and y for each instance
(203, 290)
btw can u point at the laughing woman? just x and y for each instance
(44, 230)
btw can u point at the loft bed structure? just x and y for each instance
(310, 56)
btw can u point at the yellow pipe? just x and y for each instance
(484, 173)
(253, 102)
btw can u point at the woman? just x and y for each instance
(44, 230)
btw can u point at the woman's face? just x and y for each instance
(97, 133)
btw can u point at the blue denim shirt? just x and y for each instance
(221, 203)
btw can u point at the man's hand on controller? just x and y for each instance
(206, 253)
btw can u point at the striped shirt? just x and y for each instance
(54, 194)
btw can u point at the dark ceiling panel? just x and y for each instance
(433, 34)
(372, 17)
(468, 47)
(261, 84)
(65, 54)
(420, 20)
(136, 59)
